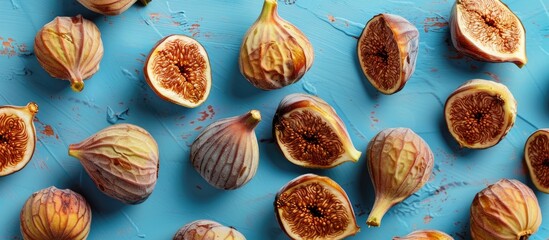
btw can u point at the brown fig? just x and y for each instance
(505, 210)
(315, 207)
(178, 70)
(425, 235)
(207, 230)
(399, 162)
(487, 30)
(536, 155)
(387, 52)
(17, 137)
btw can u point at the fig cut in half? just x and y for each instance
(387, 52)
(536, 155)
(315, 207)
(480, 113)
(178, 70)
(17, 137)
(487, 30)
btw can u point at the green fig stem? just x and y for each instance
(253, 118)
(381, 206)
(269, 10)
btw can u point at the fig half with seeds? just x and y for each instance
(536, 155)
(487, 30)
(17, 137)
(480, 113)
(425, 235)
(387, 52)
(315, 207)
(310, 134)
(207, 230)
(178, 70)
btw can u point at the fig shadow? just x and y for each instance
(366, 191)
(240, 87)
(197, 188)
(99, 202)
(41, 81)
(458, 61)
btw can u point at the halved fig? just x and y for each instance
(387, 52)
(17, 137)
(310, 134)
(487, 30)
(536, 155)
(480, 113)
(178, 70)
(315, 207)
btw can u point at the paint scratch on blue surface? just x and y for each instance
(139, 234)
(349, 28)
(178, 16)
(113, 117)
(309, 87)
(15, 4)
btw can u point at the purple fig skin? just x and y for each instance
(399, 162)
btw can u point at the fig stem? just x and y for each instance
(269, 10)
(381, 206)
(355, 154)
(73, 151)
(32, 107)
(253, 117)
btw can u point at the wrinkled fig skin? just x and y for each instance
(55, 214)
(472, 47)
(226, 153)
(331, 144)
(506, 210)
(19, 137)
(69, 48)
(315, 207)
(110, 7)
(425, 235)
(406, 36)
(399, 162)
(536, 155)
(274, 53)
(207, 230)
(122, 160)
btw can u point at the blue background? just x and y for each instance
(181, 195)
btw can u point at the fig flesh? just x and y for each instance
(387, 52)
(505, 210)
(315, 207)
(536, 155)
(487, 30)
(425, 235)
(207, 230)
(480, 113)
(178, 70)
(310, 134)
(399, 162)
(17, 137)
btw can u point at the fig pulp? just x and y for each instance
(480, 113)
(387, 52)
(17, 137)
(207, 230)
(315, 207)
(178, 70)
(536, 155)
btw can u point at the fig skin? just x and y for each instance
(406, 36)
(110, 7)
(425, 235)
(465, 44)
(53, 214)
(207, 230)
(26, 115)
(400, 162)
(505, 210)
(538, 171)
(349, 230)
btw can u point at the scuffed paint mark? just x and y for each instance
(194, 29)
(434, 24)
(349, 28)
(288, 2)
(331, 18)
(309, 88)
(412, 204)
(85, 103)
(493, 76)
(179, 17)
(198, 128)
(15, 4)
(48, 131)
(139, 234)
(113, 117)
(373, 119)
(427, 219)
(206, 114)
(10, 48)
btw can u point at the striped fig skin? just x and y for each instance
(226, 153)
(69, 48)
(505, 210)
(399, 162)
(122, 160)
(274, 53)
(207, 230)
(107, 7)
(54, 214)
(425, 235)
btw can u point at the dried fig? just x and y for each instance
(54, 214)
(122, 160)
(387, 52)
(178, 70)
(425, 235)
(506, 210)
(274, 53)
(207, 230)
(69, 48)
(487, 30)
(309, 133)
(315, 207)
(399, 162)
(480, 113)
(17, 137)
(110, 7)
(536, 155)
(226, 153)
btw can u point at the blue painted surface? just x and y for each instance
(181, 195)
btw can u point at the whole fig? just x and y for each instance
(110, 7)
(425, 235)
(207, 230)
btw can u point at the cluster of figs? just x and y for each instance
(123, 159)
